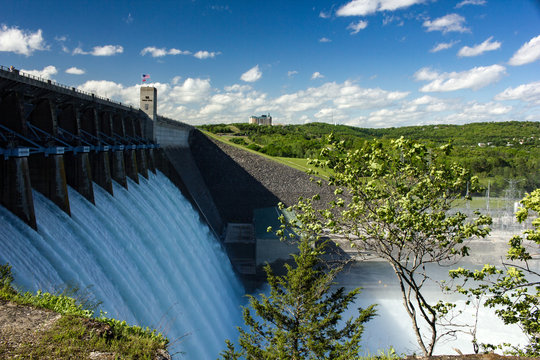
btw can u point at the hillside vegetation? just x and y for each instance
(503, 154)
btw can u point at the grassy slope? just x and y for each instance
(77, 333)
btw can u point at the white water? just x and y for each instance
(145, 254)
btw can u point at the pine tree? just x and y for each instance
(301, 318)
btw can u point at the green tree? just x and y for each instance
(395, 200)
(513, 289)
(302, 316)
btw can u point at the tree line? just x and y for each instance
(496, 152)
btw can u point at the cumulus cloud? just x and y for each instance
(447, 23)
(105, 88)
(106, 50)
(475, 78)
(324, 40)
(443, 46)
(367, 7)
(479, 49)
(252, 74)
(206, 54)
(159, 52)
(46, 73)
(316, 75)
(470, 2)
(476, 112)
(191, 91)
(356, 27)
(526, 92)
(13, 39)
(75, 71)
(528, 53)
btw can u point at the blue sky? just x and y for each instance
(367, 63)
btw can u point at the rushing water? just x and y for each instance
(143, 253)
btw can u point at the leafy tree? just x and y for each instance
(302, 316)
(514, 289)
(395, 201)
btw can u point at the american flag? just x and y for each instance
(145, 77)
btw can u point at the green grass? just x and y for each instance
(77, 332)
(295, 163)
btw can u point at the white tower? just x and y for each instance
(149, 101)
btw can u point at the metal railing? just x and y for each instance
(54, 83)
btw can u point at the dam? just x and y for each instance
(145, 213)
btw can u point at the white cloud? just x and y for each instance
(528, 53)
(104, 88)
(426, 74)
(206, 54)
(447, 23)
(477, 112)
(316, 75)
(46, 73)
(191, 91)
(175, 80)
(443, 46)
(356, 27)
(292, 73)
(527, 92)
(367, 7)
(21, 42)
(106, 50)
(470, 2)
(75, 71)
(79, 51)
(324, 40)
(159, 52)
(479, 49)
(474, 78)
(324, 15)
(252, 74)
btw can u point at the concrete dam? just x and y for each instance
(156, 219)
(52, 136)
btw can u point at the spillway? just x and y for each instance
(143, 253)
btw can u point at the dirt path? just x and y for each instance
(21, 324)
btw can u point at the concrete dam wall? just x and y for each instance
(52, 136)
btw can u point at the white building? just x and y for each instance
(261, 120)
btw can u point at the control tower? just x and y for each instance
(149, 101)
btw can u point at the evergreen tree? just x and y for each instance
(301, 318)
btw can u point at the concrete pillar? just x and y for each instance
(133, 130)
(78, 169)
(116, 156)
(48, 176)
(12, 113)
(16, 189)
(15, 184)
(130, 159)
(118, 169)
(142, 163)
(122, 127)
(150, 160)
(99, 159)
(47, 173)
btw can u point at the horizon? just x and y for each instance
(459, 62)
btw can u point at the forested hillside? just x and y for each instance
(499, 152)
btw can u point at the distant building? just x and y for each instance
(261, 120)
